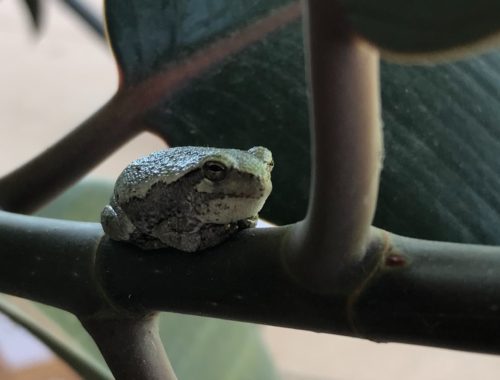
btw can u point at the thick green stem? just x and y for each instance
(50, 261)
(346, 137)
(30, 186)
(132, 347)
(432, 293)
(412, 291)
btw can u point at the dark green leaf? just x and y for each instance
(442, 130)
(147, 34)
(199, 348)
(416, 28)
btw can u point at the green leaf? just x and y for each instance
(198, 348)
(83, 202)
(442, 136)
(417, 28)
(147, 34)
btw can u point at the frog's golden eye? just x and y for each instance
(214, 170)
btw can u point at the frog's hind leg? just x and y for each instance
(178, 232)
(146, 242)
(214, 234)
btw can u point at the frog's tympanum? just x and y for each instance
(189, 198)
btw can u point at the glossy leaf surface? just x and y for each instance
(429, 26)
(197, 347)
(442, 129)
(146, 35)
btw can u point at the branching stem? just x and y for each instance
(132, 347)
(414, 291)
(45, 176)
(345, 124)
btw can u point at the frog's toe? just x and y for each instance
(248, 222)
(116, 224)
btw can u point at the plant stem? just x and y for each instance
(347, 142)
(39, 180)
(432, 293)
(50, 261)
(132, 347)
(413, 291)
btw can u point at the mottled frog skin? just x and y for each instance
(189, 198)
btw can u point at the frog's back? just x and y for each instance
(165, 166)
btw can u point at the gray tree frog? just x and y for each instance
(189, 198)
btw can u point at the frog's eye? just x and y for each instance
(214, 170)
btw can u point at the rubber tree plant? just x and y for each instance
(231, 73)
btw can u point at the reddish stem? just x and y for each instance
(30, 186)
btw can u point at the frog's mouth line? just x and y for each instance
(240, 186)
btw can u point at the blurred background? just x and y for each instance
(52, 81)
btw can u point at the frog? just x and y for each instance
(189, 198)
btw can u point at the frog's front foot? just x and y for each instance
(248, 222)
(116, 223)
